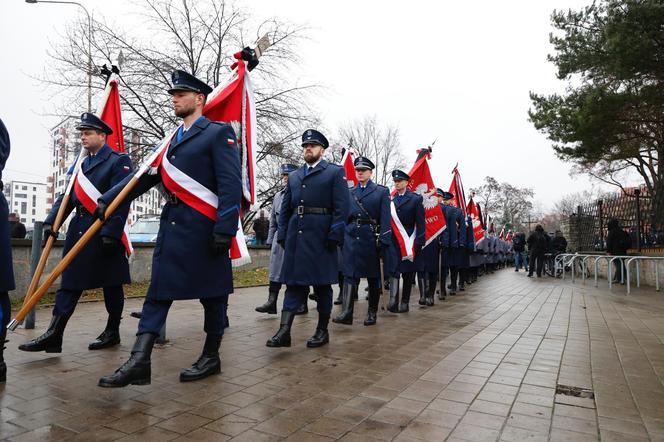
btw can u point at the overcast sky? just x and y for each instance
(458, 72)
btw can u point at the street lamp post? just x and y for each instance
(89, 41)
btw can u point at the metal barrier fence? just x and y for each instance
(577, 263)
(640, 214)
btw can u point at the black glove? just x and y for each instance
(249, 55)
(221, 243)
(281, 242)
(48, 231)
(100, 211)
(109, 245)
(331, 245)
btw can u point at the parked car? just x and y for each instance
(144, 229)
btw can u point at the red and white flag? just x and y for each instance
(421, 183)
(349, 167)
(110, 112)
(456, 188)
(231, 101)
(474, 211)
(502, 233)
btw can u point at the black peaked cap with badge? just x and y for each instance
(91, 121)
(184, 81)
(400, 175)
(363, 163)
(312, 136)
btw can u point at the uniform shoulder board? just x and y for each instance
(220, 123)
(381, 186)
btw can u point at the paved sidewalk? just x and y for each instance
(482, 366)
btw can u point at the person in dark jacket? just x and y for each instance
(312, 220)
(191, 258)
(519, 247)
(103, 261)
(617, 243)
(538, 244)
(559, 243)
(16, 226)
(261, 226)
(6, 269)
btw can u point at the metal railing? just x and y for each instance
(637, 260)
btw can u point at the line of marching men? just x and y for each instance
(369, 249)
(321, 234)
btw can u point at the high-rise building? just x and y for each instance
(65, 148)
(27, 200)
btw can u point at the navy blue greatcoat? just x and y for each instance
(470, 242)
(93, 267)
(410, 211)
(360, 257)
(307, 262)
(6, 269)
(456, 224)
(184, 265)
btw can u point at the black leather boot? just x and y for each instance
(321, 336)
(405, 294)
(422, 286)
(271, 305)
(51, 340)
(207, 364)
(110, 336)
(393, 305)
(372, 310)
(431, 289)
(282, 338)
(348, 301)
(137, 370)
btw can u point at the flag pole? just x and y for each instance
(69, 257)
(30, 301)
(59, 218)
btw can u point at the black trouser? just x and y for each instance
(536, 263)
(5, 311)
(618, 269)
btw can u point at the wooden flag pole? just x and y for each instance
(69, 257)
(46, 251)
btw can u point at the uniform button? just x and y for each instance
(304, 185)
(172, 157)
(299, 231)
(80, 233)
(301, 201)
(172, 223)
(357, 237)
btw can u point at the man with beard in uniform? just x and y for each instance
(276, 251)
(410, 210)
(191, 259)
(311, 226)
(103, 261)
(367, 235)
(6, 269)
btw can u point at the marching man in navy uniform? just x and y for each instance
(103, 261)
(191, 257)
(445, 250)
(456, 225)
(6, 269)
(368, 233)
(410, 210)
(311, 226)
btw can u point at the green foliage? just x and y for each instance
(611, 117)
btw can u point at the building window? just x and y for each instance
(24, 188)
(24, 208)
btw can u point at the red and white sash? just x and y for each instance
(199, 198)
(88, 195)
(406, 242)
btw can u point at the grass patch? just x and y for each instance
(241, 278)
